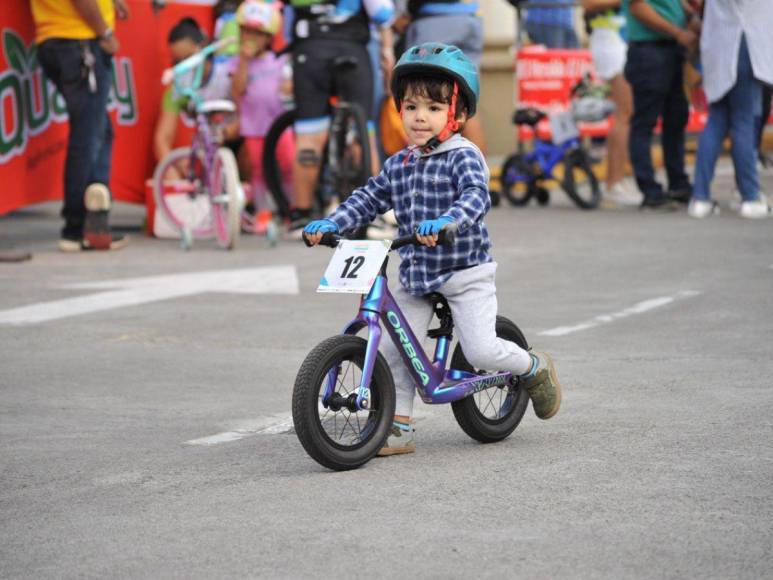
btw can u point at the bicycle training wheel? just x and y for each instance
(329, 427)
(271, 171)
(516, 179)
(227, 198)
(579, 182)
(182, 196)
(491, 414)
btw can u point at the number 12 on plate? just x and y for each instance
(354, 266)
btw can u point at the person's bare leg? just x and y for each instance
(617, 141)
(308, 155)
(473, 130)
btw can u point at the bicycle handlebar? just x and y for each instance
(446, 237)
(194, 60)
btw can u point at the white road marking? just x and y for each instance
(638, 308)
(135, 291)
(277, 425)
(273, 425)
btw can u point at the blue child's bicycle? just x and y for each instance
(523, 173)
(344, 394)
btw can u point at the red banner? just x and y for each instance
(33, 127)
(545, 79)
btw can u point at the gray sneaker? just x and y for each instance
(543, 386)
(398, 442)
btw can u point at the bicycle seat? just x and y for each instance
(443, 312)
(217, 106)
(528, 116)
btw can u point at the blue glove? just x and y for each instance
(321, 227)
(433, 227)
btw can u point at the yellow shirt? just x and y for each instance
(60, 19)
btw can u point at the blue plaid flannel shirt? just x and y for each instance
(451, 181)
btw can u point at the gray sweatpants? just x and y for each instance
(471, 294)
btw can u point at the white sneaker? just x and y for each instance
(621, 195)
(755, 209)
(701, 208)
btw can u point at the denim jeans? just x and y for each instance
(655, 73)
(552, 35)
(89, 145)
(736, 112)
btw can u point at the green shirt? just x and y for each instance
(671, 10)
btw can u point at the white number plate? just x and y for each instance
(354, 266)
(563, 127)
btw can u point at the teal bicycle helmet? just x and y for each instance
(440, 59)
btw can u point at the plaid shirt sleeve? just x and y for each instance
(469, 176)
(364, 204)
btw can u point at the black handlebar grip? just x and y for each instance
(329, 239)
(447, 236)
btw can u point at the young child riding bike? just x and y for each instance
(441, 180)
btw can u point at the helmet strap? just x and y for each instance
(452, 124)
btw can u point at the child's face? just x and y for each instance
(423, 118)
(254, 41)
(182, 49)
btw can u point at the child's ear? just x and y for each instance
(462, 116)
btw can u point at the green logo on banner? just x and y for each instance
(29, 102)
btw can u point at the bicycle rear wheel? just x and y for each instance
(492, 414)
(183, 203)
(579, 182)
(331, 432)
(227, 198)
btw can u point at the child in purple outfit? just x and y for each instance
(258, 82)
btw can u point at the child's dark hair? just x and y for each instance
(189, 29)
(438, 88)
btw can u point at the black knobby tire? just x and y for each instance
(363, 433)
(517, 179)
(492, 414)
(579, 182)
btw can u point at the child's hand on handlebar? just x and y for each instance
(314, 230)
(428, 231)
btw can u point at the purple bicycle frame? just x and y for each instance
(435, 385)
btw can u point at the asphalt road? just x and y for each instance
(151, 438)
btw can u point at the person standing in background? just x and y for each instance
(658, 39)
(551, 26)
(455, 22)
(736, 54)
(609, 52)
(76, 44)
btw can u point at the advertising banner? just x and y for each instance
(545, 79)
(33, 119)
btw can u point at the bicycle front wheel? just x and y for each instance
(181, 193)
(516, 178)
(579, 182)
(272, 172)
(492, 414)
(349, 154)
(227, 198)
(332, 431)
